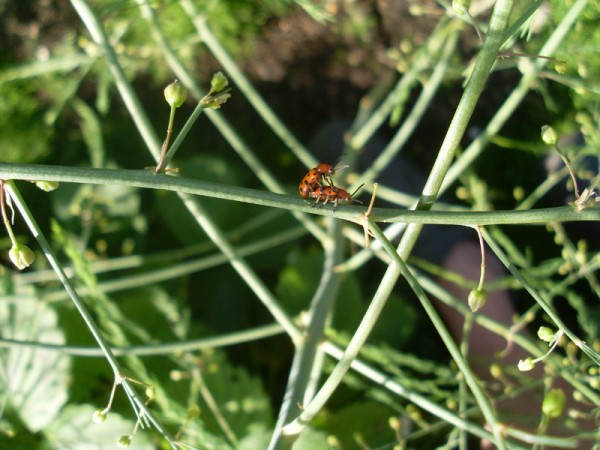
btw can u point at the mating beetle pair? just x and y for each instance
(312, 186)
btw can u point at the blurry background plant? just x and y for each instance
(151, 275)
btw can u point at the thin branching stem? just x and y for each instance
(370, 318)
(242, 83)
(301, 380)
(85, 315)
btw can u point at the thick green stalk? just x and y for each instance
(308, 356)
(464, 111)
(146, 179)
(369, 320)
(516, 96)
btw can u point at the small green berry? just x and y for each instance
(554, 403)
(21, 255)
(175, 94)
(477, 298)
(549, 135)
(496, 371)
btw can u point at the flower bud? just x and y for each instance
(554, 403)
(395, 424)
(175, 94)
(549, 135)
(526, 364)
(21, 255)
(99, 416)
(546, 334)
(194, 411)
(477, 298)
(496, 371)
(124, 441)
(46, 186)
(460, 6)
(560, 67)
(150, 392)
(218, 82)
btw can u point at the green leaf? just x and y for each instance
(258, 436)
(34, 381)
(367, 421)
(312, 439)
(243, 400)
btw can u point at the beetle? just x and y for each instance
(315, 178)
(326, 194)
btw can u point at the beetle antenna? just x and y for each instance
(357, 189)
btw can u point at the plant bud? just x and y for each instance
(21, 255)
(526, 364)
(124, 441)
(546, 334)
(549, 135)
(150, 392)
(554, 403)
(175, 94)
(99, 416)
(560, 67)
(477, 298)
(218, 82)
(460, 6)
(46, 186)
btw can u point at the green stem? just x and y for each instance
(545, 305)
(451, 143)
(369, 320)
(569, 168)
(183, 133)
(413, 119)
(146, 277)
(162, 163)
(240, 80)
(482, 247)
(219, 121)
(307, 353)
(145, 179)
(11, 234)
(192, 345)
(126, 92)
(137, 401)
(506, 111)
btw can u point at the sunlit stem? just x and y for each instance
(165, 146)
(568, 165)
(7, 224)
(482, 247)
